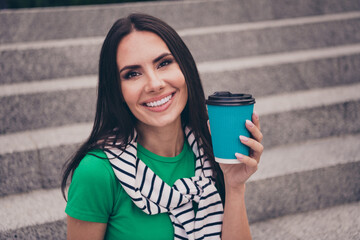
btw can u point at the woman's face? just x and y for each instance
(152, 83)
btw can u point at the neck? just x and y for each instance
(165, 141)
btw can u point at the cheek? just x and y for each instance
(180, 83)
(129, 92)
(176, 78)
(183, 86)
(183, 93)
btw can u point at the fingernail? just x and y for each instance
(244, 139)
(239, 156)
(256, 114)
(249, 123)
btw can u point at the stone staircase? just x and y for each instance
(300, 59)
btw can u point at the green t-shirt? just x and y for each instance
(96, 195)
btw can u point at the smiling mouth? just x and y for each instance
(159, 102)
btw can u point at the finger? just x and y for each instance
(253, 144)
(248, 161)
(255, 119)
(254, 130)
(208, 124)
(257, 147)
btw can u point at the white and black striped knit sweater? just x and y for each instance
(153, 196)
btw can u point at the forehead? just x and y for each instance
(140, 46)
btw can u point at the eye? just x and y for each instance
(131, 74)
(165, 63)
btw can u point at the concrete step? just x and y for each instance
(283, 72)
(71, 22)
(39, 156)
(292, 117)
(305, 55)
(305, 176)
(51, 230)
(291, 179)
(69, 101)
(23, 62)
(303, 115)
(266, 37)
(339, 222)
(36, 215)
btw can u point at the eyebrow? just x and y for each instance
(161, 56)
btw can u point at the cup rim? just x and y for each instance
(226, 98)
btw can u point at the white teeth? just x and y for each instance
(159, 102)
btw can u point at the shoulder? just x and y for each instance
(95, 174)
(94, 167)
(93, 189)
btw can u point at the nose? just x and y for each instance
(154, 82)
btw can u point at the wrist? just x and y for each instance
(235, 190)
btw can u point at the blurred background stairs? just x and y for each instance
(300, 59)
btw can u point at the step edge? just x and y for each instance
(291, 159)
(277, 58)
(318, 212)
(25, 206)
(54, 207)
(35, 139)
(205, 67)
(306, 99)
(277, 23)
(44, 138)
(52, 85)
(240, 27)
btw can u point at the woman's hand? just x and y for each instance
(235, 221)
(235, 175)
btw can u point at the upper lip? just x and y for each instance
(154, 99)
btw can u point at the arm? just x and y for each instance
(235, 222)
(78, 229)
(90, 198)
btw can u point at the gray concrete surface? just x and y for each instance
(340, 222)
(34, 111)
(31, 62)
(303, 177)
(52, 230)
(300, 60)
(63, 23)
(292, 178)
(76, 104)
(33, 208)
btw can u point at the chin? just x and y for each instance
(161, 123)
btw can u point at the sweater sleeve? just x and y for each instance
(91, 192)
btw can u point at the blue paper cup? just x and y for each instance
(227, 115)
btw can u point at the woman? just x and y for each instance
(147, 170)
